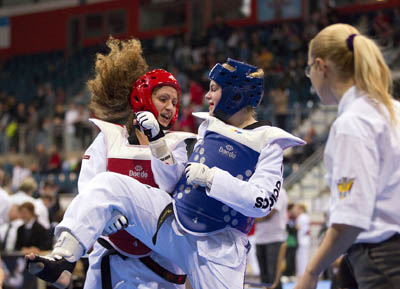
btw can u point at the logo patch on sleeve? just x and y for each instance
(344, 187)
(86, 157)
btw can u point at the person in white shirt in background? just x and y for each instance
(24, 194)
(362, 157)
(71, 117)
(270, 236)
(303, 238)
(19, 174)
(5, 206)
(8, 213)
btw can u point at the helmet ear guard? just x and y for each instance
(239, 89)
(142, 91)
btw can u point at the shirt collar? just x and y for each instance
(350, 94)
(29, 225)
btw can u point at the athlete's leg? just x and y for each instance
(215, 261)
(221, 261)
(125, 273)
(93, 275)
(88, 213)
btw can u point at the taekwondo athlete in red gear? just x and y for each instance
(121, 260)
(111, 152)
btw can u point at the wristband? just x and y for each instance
(160, 150)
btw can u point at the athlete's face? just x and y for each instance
(213, 96)
(165, 100)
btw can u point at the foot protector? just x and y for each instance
(52, 267)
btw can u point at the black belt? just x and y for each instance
(363, 246)
(168, 211)
(162, 272)
(147, 261)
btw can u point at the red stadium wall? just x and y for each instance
(358, 7)
(48, 31)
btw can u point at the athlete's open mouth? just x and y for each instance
(166, 117)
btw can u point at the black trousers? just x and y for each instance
(290, 261)
(376, 265)
(267, 255)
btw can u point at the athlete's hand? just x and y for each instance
(116, 223)
(307, 281)
(149, 125)
(53, 269)
(2, 276)
(199, 174)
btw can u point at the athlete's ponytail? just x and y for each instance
(114, 74)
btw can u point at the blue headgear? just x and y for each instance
(239, 89)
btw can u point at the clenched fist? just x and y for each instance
(199, 174)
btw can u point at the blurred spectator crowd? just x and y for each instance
(43, 99)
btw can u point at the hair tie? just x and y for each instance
(349, 42)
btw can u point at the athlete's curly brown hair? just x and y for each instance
(115, 73)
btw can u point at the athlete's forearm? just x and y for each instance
(257, 196)
(167, 176)
(161, 151)
(1, 275)
(337, 240)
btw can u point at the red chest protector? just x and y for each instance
(133, 161)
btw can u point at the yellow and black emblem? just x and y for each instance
(344, 187)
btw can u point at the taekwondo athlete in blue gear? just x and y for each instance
(230, 149)
(212, 208)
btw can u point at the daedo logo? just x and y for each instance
(138, 172)
(227, 151)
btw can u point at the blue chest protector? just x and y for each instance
(233, 150)
(201, 214)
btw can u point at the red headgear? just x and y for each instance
(141, 95)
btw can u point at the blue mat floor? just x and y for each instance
(290, 285)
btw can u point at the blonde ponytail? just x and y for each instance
(371, 73)
(362, 60)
